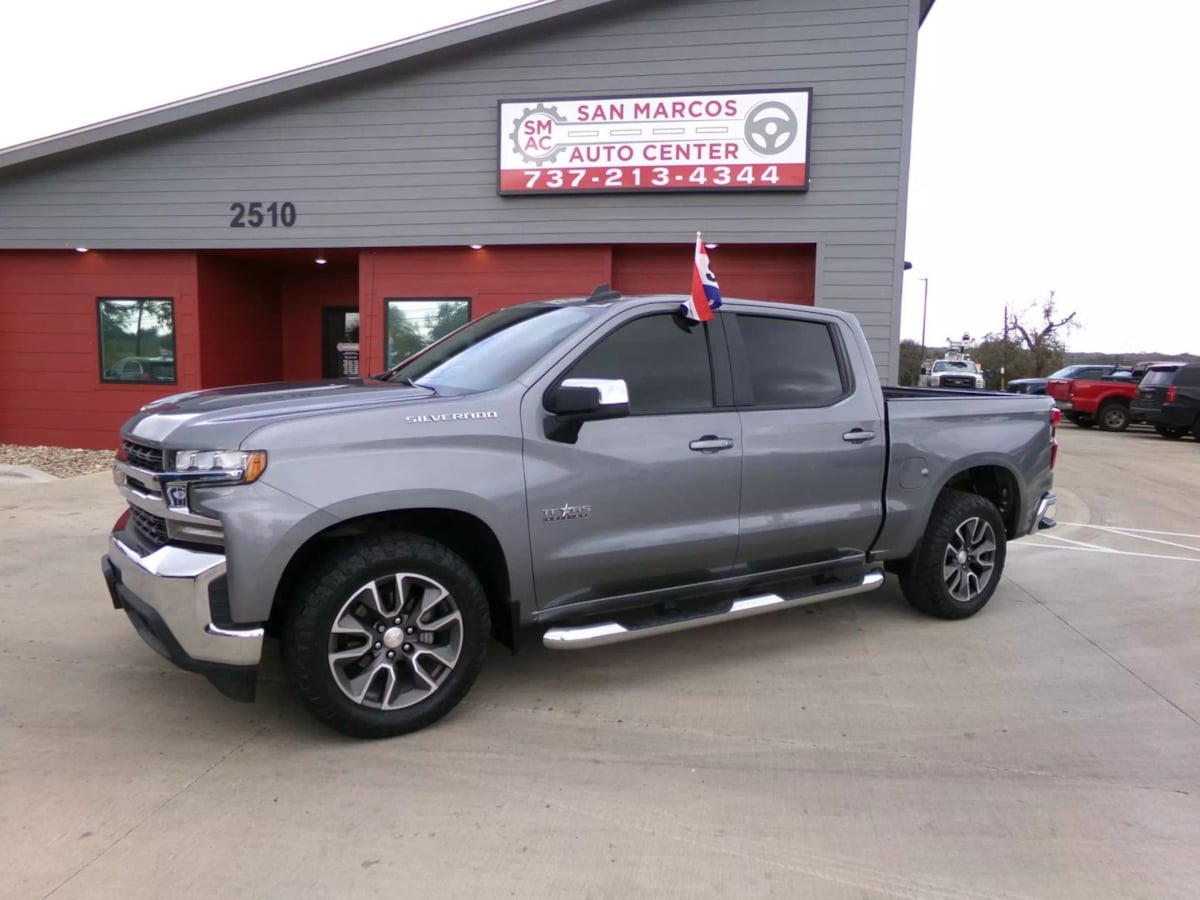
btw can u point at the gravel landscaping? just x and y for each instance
(62, 462)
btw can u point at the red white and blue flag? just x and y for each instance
(706, 293)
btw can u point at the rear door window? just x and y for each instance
(792, 362)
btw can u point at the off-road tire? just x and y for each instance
(925, 584)
(333, 580)
(1113, 416)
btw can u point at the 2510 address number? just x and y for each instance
(256, 215)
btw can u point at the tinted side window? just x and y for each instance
(792, 362)
(663, 360)
(1188, 376)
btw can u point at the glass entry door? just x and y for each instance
(339, 342)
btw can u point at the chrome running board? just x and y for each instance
(579, 637)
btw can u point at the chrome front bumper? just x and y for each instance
(167, 596)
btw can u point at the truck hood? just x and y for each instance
(240, 410)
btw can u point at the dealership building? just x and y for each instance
(329, 221)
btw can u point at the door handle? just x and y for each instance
(710, 443)
(858, 436)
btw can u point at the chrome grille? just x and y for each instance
(149, 527)
(143, 457)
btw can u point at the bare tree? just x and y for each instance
(1042, 338)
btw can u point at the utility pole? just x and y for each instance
(924, 311)
(1004, 350)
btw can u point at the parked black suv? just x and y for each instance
(1169, 399)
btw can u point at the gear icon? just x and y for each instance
(532, 134)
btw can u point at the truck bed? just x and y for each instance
(933, 434)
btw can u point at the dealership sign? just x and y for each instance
(688, 142)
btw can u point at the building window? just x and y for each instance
(414, 324)
(137, 339)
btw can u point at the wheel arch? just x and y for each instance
(993, 481)
(462, 532)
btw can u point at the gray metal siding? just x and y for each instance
(409, 158)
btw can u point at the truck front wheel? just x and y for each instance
(958, 563)
(386, 636)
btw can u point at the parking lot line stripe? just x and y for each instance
(1139, 530)
(1097, 547)
(1085, 549)
(1132, 533)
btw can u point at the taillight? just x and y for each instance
(1055, 418)
(1170, 395)
(1071, 388)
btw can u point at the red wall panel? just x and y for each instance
(251, 319)
(783, 272)
(305, 292)
(50, 389)
(240, 323)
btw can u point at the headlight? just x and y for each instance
(240, 466)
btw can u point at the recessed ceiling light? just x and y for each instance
(477, 246)
(81, 249)
(712, 246)
(320, 260)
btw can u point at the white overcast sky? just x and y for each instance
(1052, 146)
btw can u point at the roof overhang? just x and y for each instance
(323, 73)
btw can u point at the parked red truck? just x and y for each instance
(1103, 401)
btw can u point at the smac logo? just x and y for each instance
(450, 417)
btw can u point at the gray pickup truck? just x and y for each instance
(597, 468)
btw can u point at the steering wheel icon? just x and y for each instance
(771, 127)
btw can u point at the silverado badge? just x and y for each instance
(565, 512)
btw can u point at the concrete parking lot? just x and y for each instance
(1045, 748)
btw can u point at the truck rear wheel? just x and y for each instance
(959, 561)
(1113, 416)
(387, 636)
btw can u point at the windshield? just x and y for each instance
(1068, 372)
(954, 365)
(491, 351)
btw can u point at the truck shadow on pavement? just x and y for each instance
(812, 642)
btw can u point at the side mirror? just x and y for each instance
(590, 398)
(579, 400)
(924, 370)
